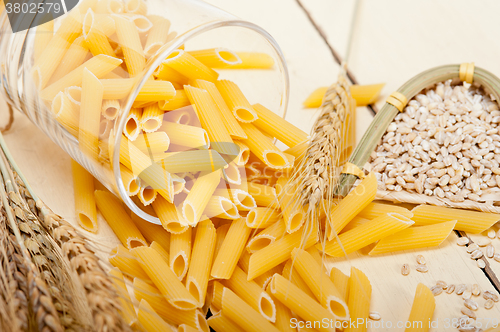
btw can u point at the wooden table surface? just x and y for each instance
(394, 40)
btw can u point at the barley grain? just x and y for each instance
(405, 269)
(436, 290)
(468, 312)
(489, 304)
(490, 251)
(480, 264)
(462, 241)
(374, 315)
(422, 268)
(489, 295)
(450, 289)
(460, 289)
(476, 291)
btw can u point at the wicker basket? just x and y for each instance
(395, 103)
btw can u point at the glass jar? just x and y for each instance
(194, 25)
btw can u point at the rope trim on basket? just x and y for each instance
(398, 100)
(350, 168)
(466, 72)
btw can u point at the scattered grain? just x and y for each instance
(483, 242)
(468, 313)
(492, 234)
(436, 290)
(462, 241)
(489, 304)
(422, 268)
(490, 251)
(421, 260)
(476, 291)
(450, 289)
(489, 295)
(472, 247)
(496, 257)
(405, 269)
(481, 264)
(476, 254)
(441, 284)
(461, 289)
(471, 304)
(374, 315)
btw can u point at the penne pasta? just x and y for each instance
(198, 197)
(178, 101)
(232, 125)
(415, 238)
(127, 263)
(266, 236)
(73, 58)
(201, 261)
(138, 7)
(186, 328)
(105, 127)
(263, 195)
(180, 253)
(232, 176)
(374, 210)
(99, 66)
(118, 219)
(95, 39)
(261, 217)
(422, 310)
(279, 251)
(157, 36)
(318, 282)
(315, 99)
(220, 323)
(365, 234)
(109, 7)
(152, 232)
(74, 93)
(301, 304)
(153, 143)
(467, 221)
(237, 102)
(341, 282)
(90, 114)
(146, 195)
(360, 291)
(154, 91)
(217, 290)
(150, 320)
(129, 181)
(266, 151)
(352, 204)
(355, 222)
(169, 218)
(290, 273)
(117, 88)
(283, 313)
(44, 34)
(152, 118)
(163, 278)
(276, 126)
(221, 207)
(188, 136)
(127, 308)
(243, 314)
(66, 113)
(130, 42)
(166, 73)
(242, 157)
(251, 60)
(83, 184)
(173, 315)
(133, 125)
(230, 250)
(221, 235)
(252, 294)
(215, 57)
(162, 251)
(110, 108)
(185, 64)
(141, 22)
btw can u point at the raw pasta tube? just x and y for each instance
(422, 310)
(152, 118)
(138, 7)
(266, 236)
(315, 98)
(276, 126)
(211, 121)
(74, 57)
(117, 88)
(157, 36)
(154, 91)
(109, 7)
(232, 125)
(121, 258)
(217, 290)
(166, 73)
(221, 235)
(180, 253)
(105, 127)
(194, 318)
(118, 219)
(279, 251)
(237, 102)
(130, 42)
(263, 195)
(290, 273)
(164, 253)
(220, 323)
(341, 282)
(323, 288)
(178, 101)
(251, 60)
(153, 143)
(355, 222)
(186, 328)
(215, 57)
(140, 164)
(142, 23)
(374, 210)
(360, 292)
(242, 157)
(188, 66)
(74, 93)
(163, 278)
(110, 108)
(83, 184)
(188, 136)
(95, 39)
(90, 115)
(301, 304)
(414, 238)
(251, 293)
(292, 215)
(352, 204)
(66, 113)
(232, 176)
(365, 234)
(221, 207)
(199, 195)
(283, 313)
(44, 34)
(243, 314)
(230, 250)
(129, 181)
(99, 66)
(266, 151)
(167, 213)
(133, 125)
(51, 56)
(201, 260)
(150, 320)
(467, 221)
(146, 195)
(261, 217)
(127, 308)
